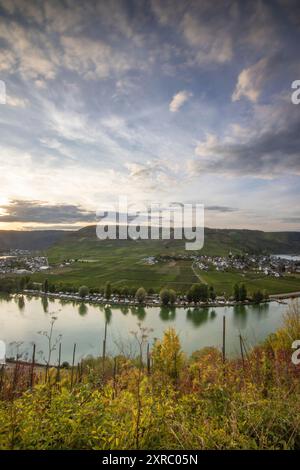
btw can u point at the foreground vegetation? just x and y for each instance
(160, 399)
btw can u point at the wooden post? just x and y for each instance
(58, 367)
(15, 375)
(148, 360)
(175, 368)
(115, 377)
(242, 352)
(80, 371)
(32, 367)
(77, 373)
(104, 347)
(224, 332)
(73, 363)
(2, 372)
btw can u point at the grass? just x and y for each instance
(129, 271)
(223, 282)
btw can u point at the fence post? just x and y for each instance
(104, 348)
(73, 363)
(58, 367)
(2, 372)
(242, 351)
(224, 332)
(32, 367)
(148, 360)
(115, 376)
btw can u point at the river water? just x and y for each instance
(23, 322)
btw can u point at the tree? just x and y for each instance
(243, 293)
(236, 292)
(257, 296)
(125, 291)
(46, 285)
(107, 291)
(212, 293)
(189, 295)
(164, 296)
(140, 295)
(83, 291)
(173, 296)
(22, 283)
(167, 354)
(198, 292)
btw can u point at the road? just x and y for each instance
(203, 281)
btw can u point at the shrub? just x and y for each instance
(83, 291)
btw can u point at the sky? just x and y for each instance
(159, 101)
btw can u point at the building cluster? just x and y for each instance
(261, 264)
(22, 262)
(267, 265)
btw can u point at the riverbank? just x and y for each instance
(151, 302)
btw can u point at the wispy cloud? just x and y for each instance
(178, 100)
(155, 100)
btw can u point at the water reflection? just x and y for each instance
(82, 309)
(124, 309)
(45, 304)
(213, 314)
(107, 314)
(240, 313)
(261, 311)
(197, 316)
(21, 303)
(167, 313)
(139, 311)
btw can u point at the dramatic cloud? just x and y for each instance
(178, 100)
(39, 212)
(253, 79)
(268, 155)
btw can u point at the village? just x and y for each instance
(269, 265)
(22, 262)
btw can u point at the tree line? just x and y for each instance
(196, 293)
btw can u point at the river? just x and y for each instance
(22, 323)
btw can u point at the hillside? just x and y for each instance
(29, 240)
(122, 262)
(217, 242)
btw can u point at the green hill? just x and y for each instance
(29, 240)
(122, 262)
(217, 242)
